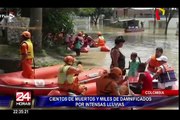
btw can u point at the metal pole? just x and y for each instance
(34, 66)
(154, 21)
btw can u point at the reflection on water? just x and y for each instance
(107, 29)
(144, 43)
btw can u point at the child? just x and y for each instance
(133, 66)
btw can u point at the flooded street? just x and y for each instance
(144, 43)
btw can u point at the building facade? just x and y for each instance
(146, 16)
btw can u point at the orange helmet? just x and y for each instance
(99, 33)
(116, 71)
(26, 34)
(69, 59)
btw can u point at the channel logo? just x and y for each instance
(23, 99)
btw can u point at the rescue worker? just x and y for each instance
(152, 61)
(101, 40)
(69, 41)
(165, 74)
(118, 59)
(67, 79)
(110, 84)
(86, 41)
(27, 55)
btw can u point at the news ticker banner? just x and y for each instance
(103, 101)
(5, 101)
(152, 98)
(22, 99)
(160, 92)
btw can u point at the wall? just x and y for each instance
(147, 24)
(9, 62)
(15, 29)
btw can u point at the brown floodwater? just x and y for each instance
(144, 43)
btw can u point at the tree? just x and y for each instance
(57, 20)
(55, 23)
(86, 11)
(95, 13)
(36, 23)
(108, 12)
(95, 16)
(154, 28)
(169, 13)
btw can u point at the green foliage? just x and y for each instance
(57, 20)
(9, 51)
(54, 22)
(108, 12)
(86, 11)
(62, 50)
(169, 13)
(95, 13)
(95, 16)
(41, 53)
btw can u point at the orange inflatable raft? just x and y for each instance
(45, 80)
(105, 49)
(84, 49)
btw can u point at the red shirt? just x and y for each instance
(147, 82)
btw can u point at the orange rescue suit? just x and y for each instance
(153, 64)
(106, 86)
(69, 82)
(27, 54)
(101, 41)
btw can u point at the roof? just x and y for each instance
(142, 8)
(123, 20)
